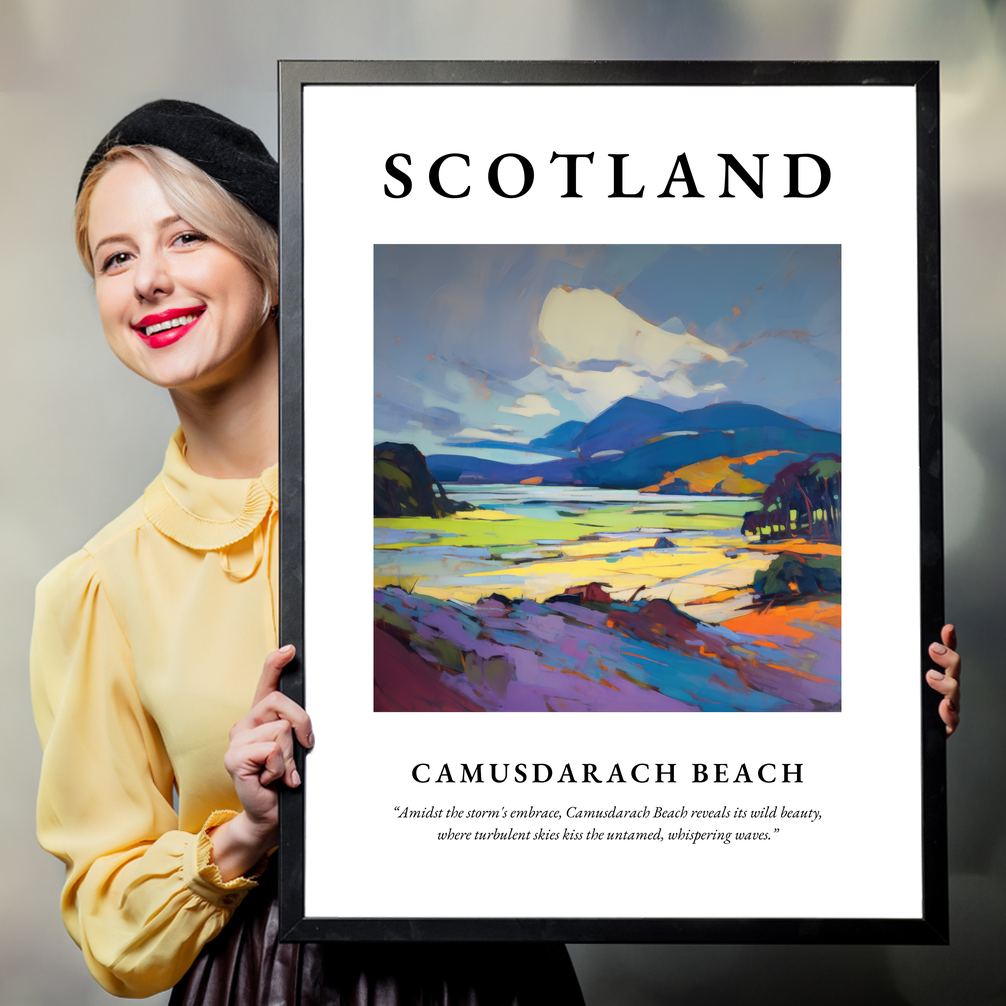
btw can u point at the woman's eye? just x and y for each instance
(190, 238)
(114, 261)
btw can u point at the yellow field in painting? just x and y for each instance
(535, 558)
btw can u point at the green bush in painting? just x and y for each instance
(792, 574)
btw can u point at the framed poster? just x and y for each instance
(644, 347)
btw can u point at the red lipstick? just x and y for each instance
(166, 327)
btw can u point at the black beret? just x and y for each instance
(230, 154)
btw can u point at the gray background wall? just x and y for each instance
(81, 436)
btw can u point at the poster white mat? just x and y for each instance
(860, 767)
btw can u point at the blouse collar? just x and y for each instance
(204, 513)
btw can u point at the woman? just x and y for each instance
(149, 642)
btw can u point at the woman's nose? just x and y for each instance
(152, 277)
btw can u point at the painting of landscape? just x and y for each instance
(607, 478)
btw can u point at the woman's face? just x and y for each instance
(177, 308)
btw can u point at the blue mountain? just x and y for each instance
(556, 441)
(631, 422)
(634, 443)
(559, 437)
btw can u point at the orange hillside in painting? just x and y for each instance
(717, 475)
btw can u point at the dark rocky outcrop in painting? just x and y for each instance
(404, 487)
(588, 593)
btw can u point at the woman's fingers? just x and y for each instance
(949, 712)
(270, 703)
(276, 735)
(949, 636)
(261, 749)
(947, 680)
(274, 767)
(949, 688)
(277, 706)
(271, 671)
(259, 761)
(945, 655)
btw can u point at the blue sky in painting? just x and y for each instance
(464, 353)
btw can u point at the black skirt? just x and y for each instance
(246, 965)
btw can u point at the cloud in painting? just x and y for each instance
(529, 406)
(393, 417)
(497, 433)
(794, 334)
(599, 349)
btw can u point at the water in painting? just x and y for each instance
(607, 478)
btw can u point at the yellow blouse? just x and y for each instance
(147, 647)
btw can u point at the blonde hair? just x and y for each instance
(199, 200)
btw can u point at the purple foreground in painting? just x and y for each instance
(526, 656)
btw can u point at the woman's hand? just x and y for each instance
(947, 682)
(260, 753)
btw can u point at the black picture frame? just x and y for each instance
(932, 926)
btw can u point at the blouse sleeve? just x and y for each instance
(141, 898)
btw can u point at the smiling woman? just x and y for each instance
(149, 643)
(157, 279)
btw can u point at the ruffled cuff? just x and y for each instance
(203, 878)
